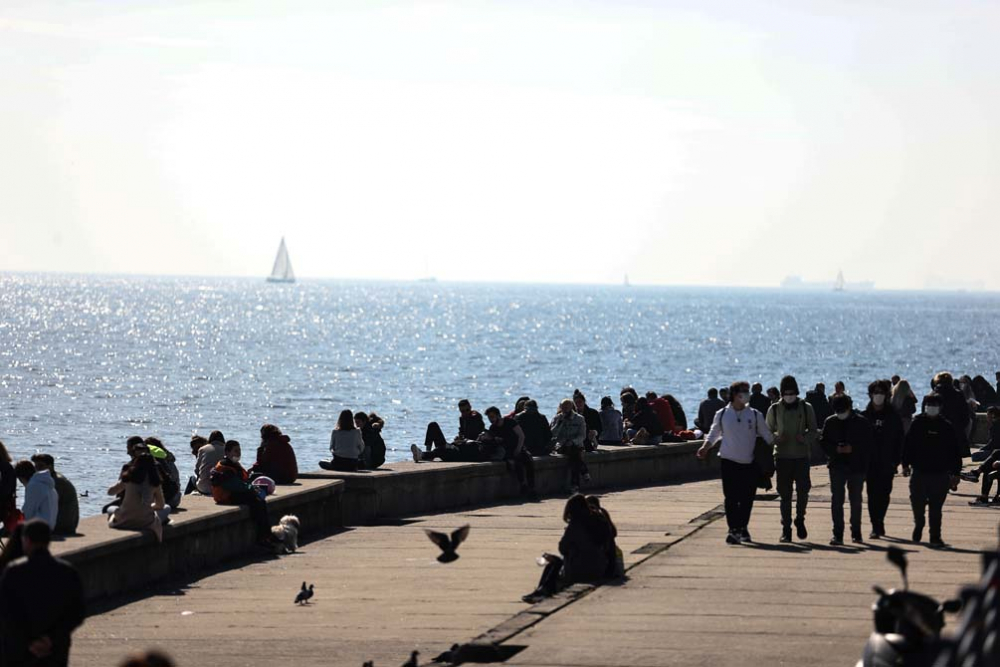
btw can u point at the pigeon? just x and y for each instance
(304, 594)
(448, 545)
(412, 662)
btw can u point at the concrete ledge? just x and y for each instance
(402, 489)
(201, 534)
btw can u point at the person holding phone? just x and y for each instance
(847, 441)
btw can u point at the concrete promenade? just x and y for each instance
(690, 599)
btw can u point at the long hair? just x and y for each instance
(900, 393)
(4, 454)
(345, 422)
(141, 470)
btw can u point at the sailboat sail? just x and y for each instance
(838, 285)
(282, 271)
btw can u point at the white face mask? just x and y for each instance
(878, 399)
(743, 398)
(235, 458)
(933, 410)
(843, 415)
(789, 399)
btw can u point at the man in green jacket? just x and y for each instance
(793, 423)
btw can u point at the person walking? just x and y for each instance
(793, 423)
(933, 451)
(904, 402)
(759, 401)
(887, 451)
(817, 399)
(847, 442)
(737, 426)
(41, 603)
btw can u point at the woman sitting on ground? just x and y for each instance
(585, 548)
(143, 506)
(275, 457)
(346, 445)
(371, 433)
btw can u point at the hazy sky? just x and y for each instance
(681, 142)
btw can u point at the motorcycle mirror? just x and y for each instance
(897, 557)
(952, 606)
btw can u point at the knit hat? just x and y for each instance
(788, 384)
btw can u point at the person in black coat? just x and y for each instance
(933, 452)
(954, 408)
(537, 432)
(758, 400)
(41, 604)
(887, 451)
(847, 441)
(821, 406)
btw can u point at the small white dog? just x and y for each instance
(286, 533)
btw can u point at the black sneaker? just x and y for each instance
(857, 539)
(836, 541)
(732, 537)
(786, 535)
(936, 543)
(918, 534)
(745, 536)
(981, 501)
(800, 528)
(874, 535)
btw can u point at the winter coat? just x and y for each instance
(569, 431)
(208, 456)
(40, 498)
(374, 451)
(68, 516)
(611, 426)
(887, 434)
(931, 446)
(665, 414)
(138, 508)
(537, 432)
(229, 479)
(276, 459)
(787, 423)
(760, 402)
(854, 431)
(820, 405)
(39, 596)
(680, 419)
(706, 412)
(584, 548)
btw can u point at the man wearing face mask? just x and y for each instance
(793, 423)
(887, 449)
(933, 452)
(738, 426)
(231, 486)
(847, 442)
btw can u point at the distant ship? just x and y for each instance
(838, 285)
(282, 271)
(625, 282)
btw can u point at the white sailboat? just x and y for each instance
(838, 285)
(625, 282)
(282, 271)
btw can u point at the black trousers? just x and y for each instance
(340, 464)
(854, 482)
(987, 483)
(577, 466)
(437, 448)
(739, 486)
(928, 491)
(524, 468)
(789, 472)
(258, 511)
(550, 583)
(879, 492)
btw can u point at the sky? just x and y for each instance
(732, 142)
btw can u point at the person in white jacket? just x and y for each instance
(346, 445)
(40, 498)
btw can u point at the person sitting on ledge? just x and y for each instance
(506, 433)
(142, 506)
(68, 512)
(231, 486)
(591, 417)
(585, 549)
(166, 465)
(611, 424)
(40, 498)
(275, 457)
(371, 432)
(197, 442)
(569, 431)
(465, 447)
(537, 432)
(208, 456)
(644, 419)
(347, 445)
(10, 515)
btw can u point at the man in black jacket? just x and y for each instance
(817, 399)
(933, 452)
(847, 442)
(758, 401)
(41, 603)
(537, 432)
(954, 408)
(887, 451)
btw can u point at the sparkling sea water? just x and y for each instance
(86, 361)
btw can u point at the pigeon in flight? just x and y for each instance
(448, 545)
(304, 594)
(412, 662)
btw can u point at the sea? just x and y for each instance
(87, 361)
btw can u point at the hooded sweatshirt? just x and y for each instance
(276, 459)
(41, 499)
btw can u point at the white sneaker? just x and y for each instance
(416, 453)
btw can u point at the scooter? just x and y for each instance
(907, 624)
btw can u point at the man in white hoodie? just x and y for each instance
(40, 497)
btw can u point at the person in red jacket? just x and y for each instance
(275, 456)
(664, 412)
